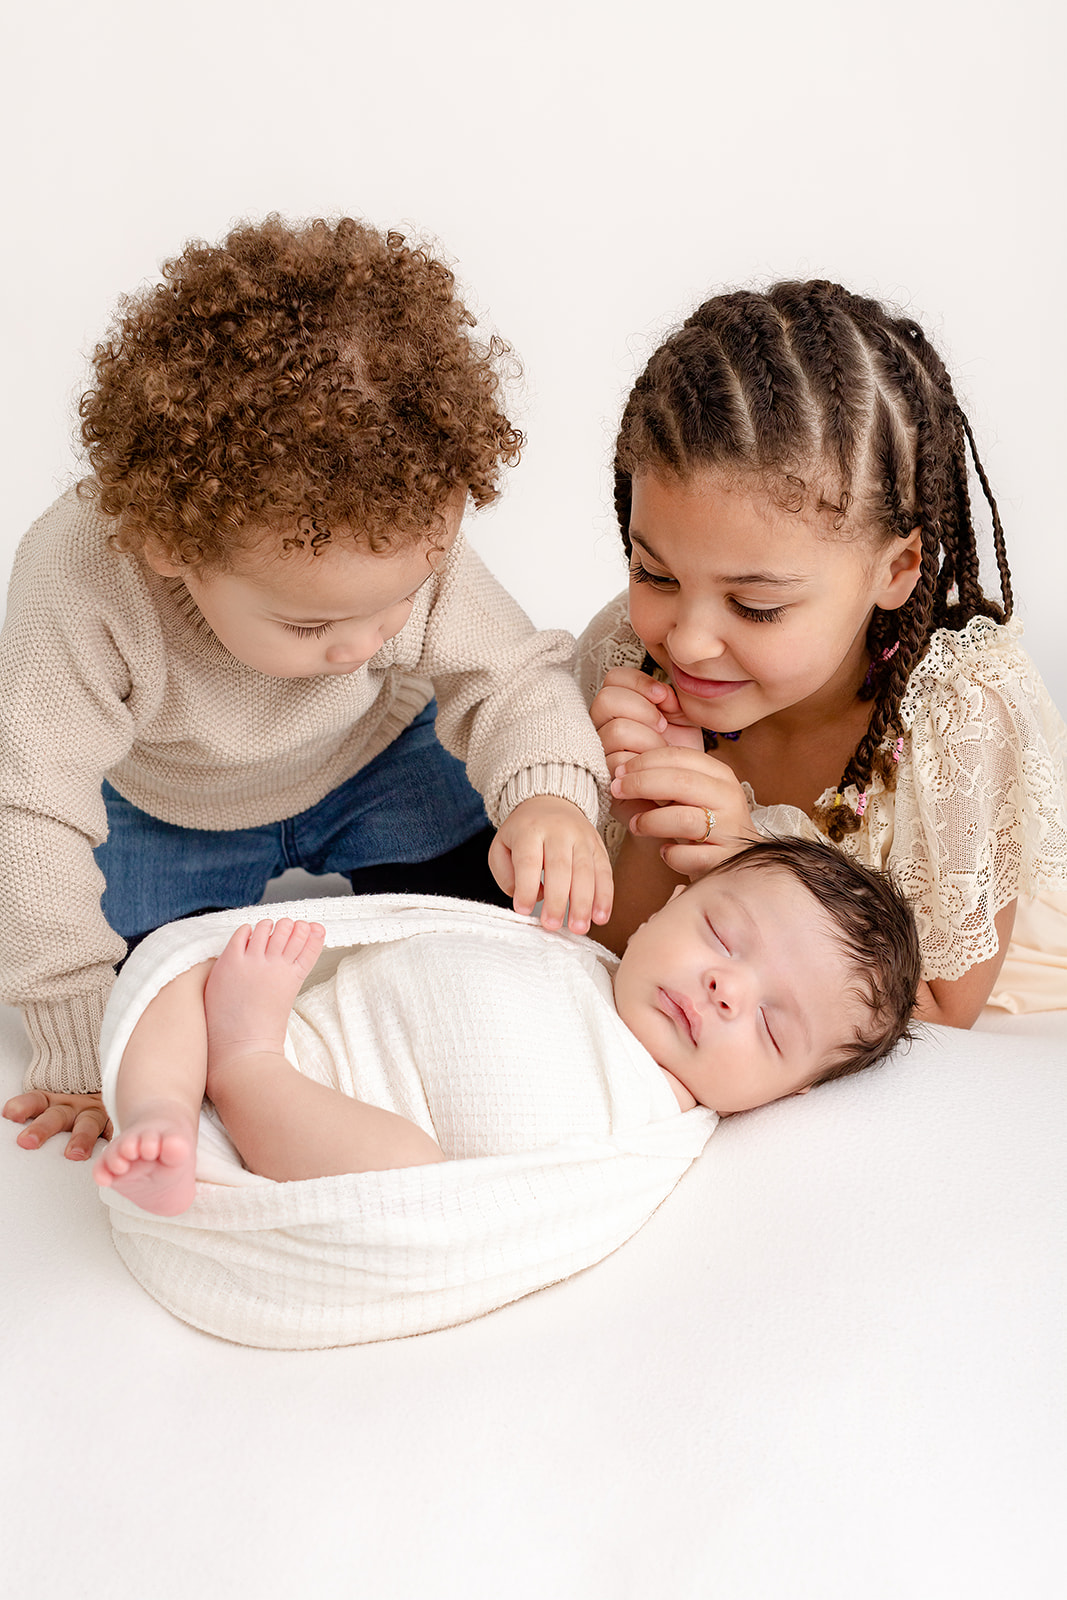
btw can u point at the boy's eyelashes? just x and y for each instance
(658, 580)
(307, 633)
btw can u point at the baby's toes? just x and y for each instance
(149, 1145)
(173, 1150)
(114, 1162)
(275, 945)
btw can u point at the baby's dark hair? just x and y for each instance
(842, 408)
(297, 378)
(875, 927)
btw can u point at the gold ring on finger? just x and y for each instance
(711, 823)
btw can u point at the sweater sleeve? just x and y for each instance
(508, 703)
(67, 714)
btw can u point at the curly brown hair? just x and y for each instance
(295, 377)
(839, 406)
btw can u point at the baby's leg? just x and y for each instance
(287, 1126)
(152, 1160)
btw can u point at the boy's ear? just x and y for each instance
(900, 574)
(154, 554)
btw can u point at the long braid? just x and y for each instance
(811, 374)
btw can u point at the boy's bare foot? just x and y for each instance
(153, 1162)
(252, 986)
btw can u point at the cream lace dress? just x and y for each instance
(979, 814)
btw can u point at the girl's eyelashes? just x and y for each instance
(641, 574)
(658, 580)
(715, 935)
(752, 614)
(307, 633)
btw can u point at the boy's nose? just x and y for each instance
(353, 648)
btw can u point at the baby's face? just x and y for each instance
(739, 989)
(307, 614)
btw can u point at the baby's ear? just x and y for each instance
(806, 1090)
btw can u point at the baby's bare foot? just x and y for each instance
(153, 1162)
(252, 986)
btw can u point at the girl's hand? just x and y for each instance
(550, 838)
(679, 788)
(634, 714)
(81, 1115)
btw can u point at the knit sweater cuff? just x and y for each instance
(568, 783)
(65, 1035)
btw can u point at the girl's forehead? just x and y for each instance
(726, 518)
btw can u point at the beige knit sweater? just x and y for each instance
(108, 670)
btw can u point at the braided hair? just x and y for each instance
(845, 407)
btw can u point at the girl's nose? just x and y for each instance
(693, 640)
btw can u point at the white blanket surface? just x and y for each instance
(498, 1039)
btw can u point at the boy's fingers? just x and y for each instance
(558, 879)
(56, 1119)
(582, 891)
(21, 1107)
(501, 865)
(526, 864)
(87, 1130)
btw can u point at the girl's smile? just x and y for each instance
(752, 609)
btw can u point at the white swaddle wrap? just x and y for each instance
(494, 1036)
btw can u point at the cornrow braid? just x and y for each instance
(846, 408)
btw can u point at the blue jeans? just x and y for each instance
(408, 821)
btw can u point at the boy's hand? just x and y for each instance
(681, 790)
(633, 714)
(551, 837)
(81, 1115)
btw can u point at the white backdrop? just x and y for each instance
(593, 171)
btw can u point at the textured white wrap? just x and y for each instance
(528, 1047)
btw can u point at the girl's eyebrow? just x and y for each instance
(739, 580)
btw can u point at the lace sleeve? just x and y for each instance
(980, 806)
(608, 641)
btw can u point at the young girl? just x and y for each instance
(220, 656)
(806, 644)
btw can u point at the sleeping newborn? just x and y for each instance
(785, 966)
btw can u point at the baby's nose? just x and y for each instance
(731, 992)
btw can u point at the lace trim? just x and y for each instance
(979, 813)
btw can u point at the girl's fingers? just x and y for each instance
(688, 825)
(635, 738)
(611, 704)
(693, 860)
